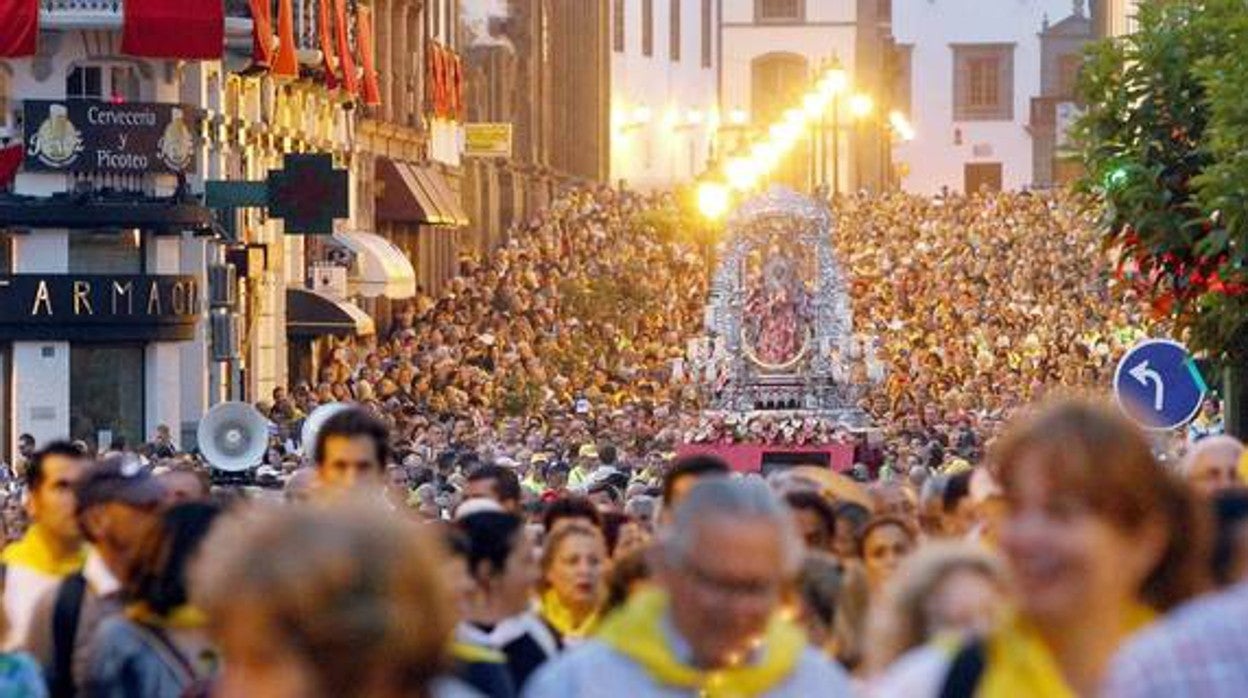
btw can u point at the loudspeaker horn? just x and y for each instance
(312, 426)
(233, 436)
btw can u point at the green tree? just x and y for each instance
(1165, 141)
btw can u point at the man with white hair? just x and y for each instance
(1213, 464)
(713, 625)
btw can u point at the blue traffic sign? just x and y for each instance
(1158, 384)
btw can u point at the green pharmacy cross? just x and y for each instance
(307, 194)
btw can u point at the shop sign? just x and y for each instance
(92, 307)
(123, 138)
(487, 140)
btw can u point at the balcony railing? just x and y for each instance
(107, 14)
(87, 6)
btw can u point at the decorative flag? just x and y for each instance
(19, 28)
(344, 47)
(186, 29)
(287, 64)
(327, 43)
(261, 33)
(364, 41)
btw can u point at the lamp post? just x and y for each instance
(832, 85)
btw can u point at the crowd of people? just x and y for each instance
(1071, 562)
(499, 509)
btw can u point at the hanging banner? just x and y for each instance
(19, 28)
(186, 29)
(95, 136)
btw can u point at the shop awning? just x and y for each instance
(380, 268)
(440, 189)
(310, 314)
(416, 194)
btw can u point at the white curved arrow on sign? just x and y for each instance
(1142, 373)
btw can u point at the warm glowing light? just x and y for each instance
(738, 117)
(642, 115)
(693, 117)
(833, 82)
(814, 104)
(861, 105)
(713, 200)
(785, 133)
(742, 173)
(901, 125)
(765, 155)
(797, 117)
(671, 119)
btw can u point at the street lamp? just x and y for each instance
(713, 200)
(861, 105)
(833, 83)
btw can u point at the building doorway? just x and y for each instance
(982, 176)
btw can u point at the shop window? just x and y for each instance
(106, 384)
(105, 252)
(85, 82)
(116, 82)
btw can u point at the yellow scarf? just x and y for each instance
(476, 654)
(35, 550)
(184, 617)
(637, 632)
(560, 617)
(1018, 663)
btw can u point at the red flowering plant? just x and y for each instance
(1164, 137)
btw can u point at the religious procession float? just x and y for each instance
(781, 369)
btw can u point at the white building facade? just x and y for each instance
(773, 50)
(972, 70)
(663, 91)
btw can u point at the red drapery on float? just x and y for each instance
(19, 28)
(323, 28)
(344, 47)
(287, 63)
(186, 29)
(364, 41)
(261, 33)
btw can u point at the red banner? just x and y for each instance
(344, 47)
(364, 41)
(287, 64)
(10, 162)
(186, 29)
(19, 28)
(261, 33)
(323, 29)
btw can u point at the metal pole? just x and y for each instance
(836, 145)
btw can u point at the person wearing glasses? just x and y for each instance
(713, 623)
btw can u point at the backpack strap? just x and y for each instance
(169, 654)
(966, 671)
(65, 615)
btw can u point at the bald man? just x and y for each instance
(1212, 465)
